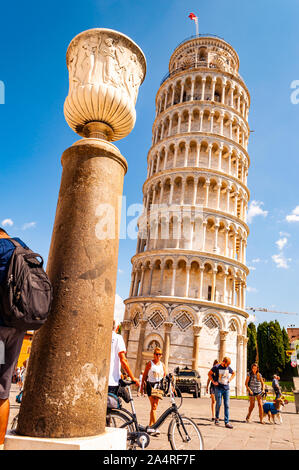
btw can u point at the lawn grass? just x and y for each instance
(290, 398)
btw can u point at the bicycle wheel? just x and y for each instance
(183, 434)
(117, 419)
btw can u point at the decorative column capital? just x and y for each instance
(168, 326)
(126, 324)
(196, 330)
(223, 335)
(143, 323)
(240, 339)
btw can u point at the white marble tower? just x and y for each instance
(189, 272)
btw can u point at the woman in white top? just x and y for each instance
(153, 374)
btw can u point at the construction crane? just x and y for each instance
(266, 310)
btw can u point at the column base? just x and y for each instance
(111, 439)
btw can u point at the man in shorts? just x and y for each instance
(117, 360)
(10, 340)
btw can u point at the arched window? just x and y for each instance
(183, 320)
(211, 322)
(153, 345)
(156, 319)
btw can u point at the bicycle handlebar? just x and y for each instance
(126, 383)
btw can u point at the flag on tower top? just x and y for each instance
(193, 17)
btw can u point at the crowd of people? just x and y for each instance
(218, 384)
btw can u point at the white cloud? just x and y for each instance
(7, 222)
(29, 225)
(255, 209)
(119, 309)
(251, 268)
(120, 271)
(256, 260)
(281, 261)
(253, 290)
(281, 243)
(294, 216)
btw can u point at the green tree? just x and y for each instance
(252, 355)
(263, 349)
(272, 343)
(276, 348)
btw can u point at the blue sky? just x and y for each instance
(34, 39)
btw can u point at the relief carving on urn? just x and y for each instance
(106, 69)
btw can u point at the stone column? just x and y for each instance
(213, 89)
(142, 281)
(195, 356)
(195, 190)
(182, 92)
(212, 121)
(207, 186)
(204, 225)
(187, 280)
(201, 269)
(66, 383)
(201, 121)
(138, 366)
(173, 281)
(222, 351)
(203, 88)
(213, 293)
(166, 349)
(210, 156)
(126, 325)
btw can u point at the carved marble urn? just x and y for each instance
(106, 69)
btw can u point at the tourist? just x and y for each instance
(220, 376)
(256, 388)
(117, 360)
(10, 337)
(276, 387)
(212, 392)
(152, 376)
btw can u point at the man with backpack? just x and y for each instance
(25, 300)
(11, 338)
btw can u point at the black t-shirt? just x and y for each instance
(222, 375)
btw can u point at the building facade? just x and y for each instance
(189, 272)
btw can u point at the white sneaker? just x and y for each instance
(151, 431)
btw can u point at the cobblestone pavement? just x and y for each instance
(244, 436)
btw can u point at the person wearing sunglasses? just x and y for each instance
(152, 376)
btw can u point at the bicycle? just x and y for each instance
(183, 433)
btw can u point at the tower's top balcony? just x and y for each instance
(204, 50)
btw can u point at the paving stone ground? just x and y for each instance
(244, 436)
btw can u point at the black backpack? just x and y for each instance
(26, 293)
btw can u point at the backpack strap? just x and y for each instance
(15, 243)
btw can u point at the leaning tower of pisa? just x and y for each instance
(189, 272)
